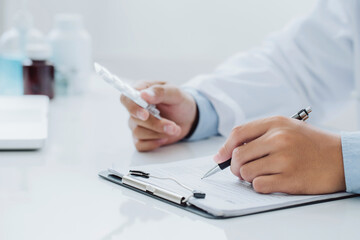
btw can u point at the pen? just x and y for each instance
(302, 115)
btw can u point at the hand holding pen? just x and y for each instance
(285, 155)
(302, 115)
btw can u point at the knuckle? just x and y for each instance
(236, 153)
(161, 82)
(178, 91)
(123, 99)
(298, 187)
(271, 119)
(136, 131)
(260, 186)
(245, 173)
(158, 126)
(142, 149)
(225, 150)
(142, 85)
(284, 163)
(137, 144)
(140, 146)
(132, 108)
(237, 130)
(282, 138)
(145, 146)
(131, 123)
(282, 118)
(159, 90)
(234, 170)
(278, 120)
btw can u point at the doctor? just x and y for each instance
(314, 61)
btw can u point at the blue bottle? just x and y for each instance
(11, 79)
(12, 52)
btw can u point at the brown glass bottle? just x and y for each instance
(38, 75)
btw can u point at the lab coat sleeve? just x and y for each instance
(208, 119)
(351, 158)
(310, 62)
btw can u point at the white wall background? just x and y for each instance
(1, 16)
(168, 39)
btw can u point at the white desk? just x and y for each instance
(55, 193)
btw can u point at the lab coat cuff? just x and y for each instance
(208, 119)
(350, 142)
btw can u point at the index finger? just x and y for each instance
(244, 134)
(134, 109)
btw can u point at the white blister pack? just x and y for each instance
(126, 89)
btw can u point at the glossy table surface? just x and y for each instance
(55, 193)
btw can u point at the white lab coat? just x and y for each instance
(314, 61)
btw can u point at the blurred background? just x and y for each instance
(162, 39)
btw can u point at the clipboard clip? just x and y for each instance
(195, 193)
(153, 189)
(156, 190)
(139, 174)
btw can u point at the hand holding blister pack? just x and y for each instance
(126, 89)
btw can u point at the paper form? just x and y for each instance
(226, 195)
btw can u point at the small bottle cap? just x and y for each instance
(38, 52)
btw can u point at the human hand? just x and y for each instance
(178, 111)
(280, 154)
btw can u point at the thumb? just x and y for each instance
(144, 84)
(162, 94)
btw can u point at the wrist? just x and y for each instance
(194, 124)
(204, 119)
(339, 164)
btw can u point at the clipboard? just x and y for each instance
(107, 175)
(174, 201)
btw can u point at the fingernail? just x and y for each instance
(217, 158)
(178, 130)
(162, 141)
(170, 129)
(149, 92)
(141, 114)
